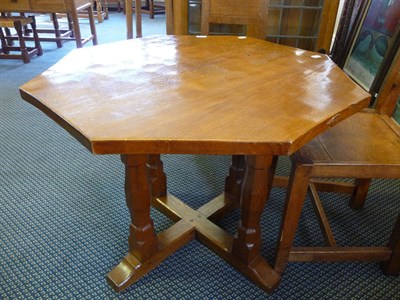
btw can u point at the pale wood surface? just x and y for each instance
(185, 94)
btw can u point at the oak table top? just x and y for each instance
(195, 95)
(142, 95)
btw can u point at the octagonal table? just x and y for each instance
(248, 98)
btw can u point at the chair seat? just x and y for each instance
(9, 21)
(367, 138)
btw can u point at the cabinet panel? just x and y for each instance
(295, 22)
(307, 24)
(12, 5)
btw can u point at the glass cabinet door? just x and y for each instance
(294, 22)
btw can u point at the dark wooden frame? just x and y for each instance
(384, 65)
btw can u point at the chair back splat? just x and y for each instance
(251, 13)
(390, 92)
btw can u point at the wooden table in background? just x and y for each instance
(185, 95)
(71, 7)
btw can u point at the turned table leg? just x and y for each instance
(142, 238)
(233, 183)
(230, 199)
(158, 179)
(244, 253)
(145, 184)
(256, 188)
(143, 178)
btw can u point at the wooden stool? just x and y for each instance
(18, 23)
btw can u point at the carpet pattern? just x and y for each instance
(64, 223)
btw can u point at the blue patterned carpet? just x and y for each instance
(64, 223)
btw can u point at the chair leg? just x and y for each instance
(329, 237)
(105, 8)
(360, 192)
(24, 52)
(57, 32)
(3, 42)
(36, 37)
(151, 9)
(92, 25)
(7, 32)
(70, 26)
(25, 29)
(296, 194)
(99, 10)
(392, 267)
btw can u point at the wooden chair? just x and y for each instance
(7, 45)
(365, 146)
(99, 8)
(252, 13)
